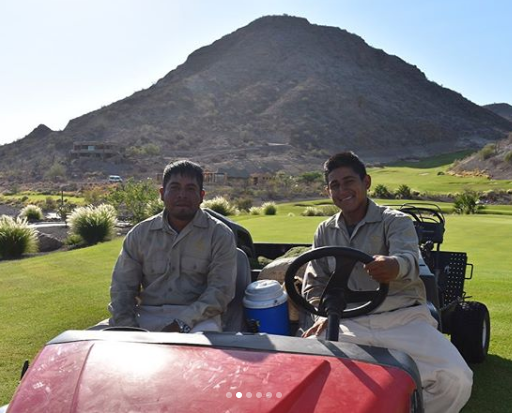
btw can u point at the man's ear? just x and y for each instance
(368, 182)
(161, 190)
(202, 193)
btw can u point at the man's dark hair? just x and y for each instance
(344, 159)
(184, 168)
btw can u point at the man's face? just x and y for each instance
(182, 197)
(348, 191)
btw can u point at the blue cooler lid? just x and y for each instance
(264, 294)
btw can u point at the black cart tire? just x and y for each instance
(471, 331)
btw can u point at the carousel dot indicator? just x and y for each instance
(238, 395)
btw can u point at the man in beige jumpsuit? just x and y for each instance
(403, 321)
(176, 270)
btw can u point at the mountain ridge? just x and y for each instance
(313, 89)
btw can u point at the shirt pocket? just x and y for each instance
(194, 266)
(155, 268)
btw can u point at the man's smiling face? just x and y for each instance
(348, 192)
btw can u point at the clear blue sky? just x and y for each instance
(61, 59)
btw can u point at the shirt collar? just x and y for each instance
(372, 215)
(160, 221)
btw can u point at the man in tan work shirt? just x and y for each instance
(176, 271)
(403, 321)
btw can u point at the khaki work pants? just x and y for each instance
(445, 376)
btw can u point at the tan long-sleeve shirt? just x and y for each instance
(383, 231)
(159, 266)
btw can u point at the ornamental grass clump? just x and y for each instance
(221, 205)
(269, 208)
(16, 237)
(93, 224)
(32, 213)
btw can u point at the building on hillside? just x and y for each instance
(261, 179)
(96, 149)
(215, 178)
(236, 177)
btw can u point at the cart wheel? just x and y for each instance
(471, 331)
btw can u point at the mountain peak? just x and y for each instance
(313, 90)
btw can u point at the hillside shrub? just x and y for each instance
(94, 196)
(311, 212)
(508, 157)
(93, 224)
(382, 192)
(403, 192)
(244, 204)
(487, 151)
(131, 199)
(154, 207)
(49, 204)
(255, 211)
(16, 237)
(467, 203)
(221, 205)
(320, 211)
(31, 213)
(269, 208)
(57, 172)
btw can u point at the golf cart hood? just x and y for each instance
(85, 371)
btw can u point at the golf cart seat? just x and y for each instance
(233, 319)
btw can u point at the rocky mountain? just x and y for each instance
(279, 94)
(493, 160)
(502, 109)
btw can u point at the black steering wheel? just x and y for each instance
(337, 294)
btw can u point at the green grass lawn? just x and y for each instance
(430, 175)
(43, 296)
(33, 197)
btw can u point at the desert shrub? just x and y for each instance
(154, 206)
(221, 205)
(269, 208)
(74, 241)
(466, 203)
(311, 212)
(32, 213)
(487, 151)
(49, 204)
(132, 199)
(508, 157)
(382, 192)
(94, 196)
(403, 192)
(320, 211)
(16, 237)
(255, 211)
(93, 224)
(244, 204)
(310, 177)
(56, 172)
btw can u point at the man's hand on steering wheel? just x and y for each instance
(382, 269)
